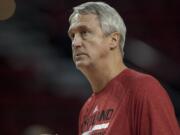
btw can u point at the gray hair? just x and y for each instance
(110, 20)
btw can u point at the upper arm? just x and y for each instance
(157, 112)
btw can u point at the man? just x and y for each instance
(124, 102)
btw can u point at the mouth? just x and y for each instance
(79, 54)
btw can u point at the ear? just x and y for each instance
(115, 38)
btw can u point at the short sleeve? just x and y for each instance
(157, 115)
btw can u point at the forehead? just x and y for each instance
(84, 20)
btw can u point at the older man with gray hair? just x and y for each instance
(124, 101)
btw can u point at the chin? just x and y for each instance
(81, 65)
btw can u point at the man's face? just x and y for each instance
(89, 44)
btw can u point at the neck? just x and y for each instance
(100, 75)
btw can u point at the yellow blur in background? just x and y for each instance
(7, 9)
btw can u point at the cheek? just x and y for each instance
(103, 49)
(97, 48)
(99, 52)
(103, 53)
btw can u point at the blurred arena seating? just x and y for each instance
(40, 88)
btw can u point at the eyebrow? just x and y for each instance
(81, 27)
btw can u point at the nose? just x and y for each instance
(77, 41)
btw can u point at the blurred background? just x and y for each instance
(40, 89)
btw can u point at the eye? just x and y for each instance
(71, 35)
(84, 33)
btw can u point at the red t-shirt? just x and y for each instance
(132, 103)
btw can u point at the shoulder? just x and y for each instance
(150, 106)
(144, 85)
(135, 79)
(144, 91)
